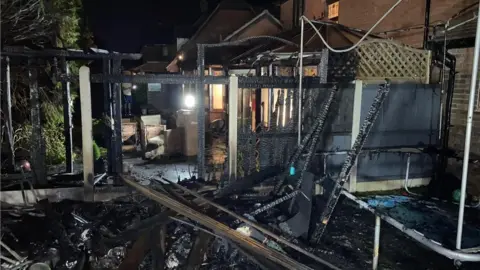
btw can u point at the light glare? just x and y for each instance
(189, 101)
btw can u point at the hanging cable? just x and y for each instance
(361, 40)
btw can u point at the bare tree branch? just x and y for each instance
(26, 20)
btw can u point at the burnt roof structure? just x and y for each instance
(460, 32)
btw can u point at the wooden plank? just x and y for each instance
(87, 136)
(136, 253)
(159, 248)
(195, 258)
(37, 151)
(256, 226)
(220, 228)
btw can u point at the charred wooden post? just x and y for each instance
(258, 102)
(245, 241)
(8, 110)
(67, 119)
(117, 118)
(107, 108)
(159, 248)
(137, 253)
(200, 92)
(38, 143)
(151, 195)
(195, 258)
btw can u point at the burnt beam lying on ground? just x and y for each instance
(221, 229)
(350, 161)
(254, 225)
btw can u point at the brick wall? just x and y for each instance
(286, 14)
(460, 102)
(314, 9)
(459, 118)
(363, 14)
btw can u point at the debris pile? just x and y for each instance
(193, 225)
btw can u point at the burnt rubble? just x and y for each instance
(100, 235)
(137, 232)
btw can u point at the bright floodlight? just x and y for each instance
(189, 101)
(134, 87)
(180, 57)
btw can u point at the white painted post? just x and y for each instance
(376, 243)
(356, 123)
(87, 140)
(232, 127)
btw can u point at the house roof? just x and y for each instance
(337, 36)
(229, 19)
(153, 67)
(264, 15)
(232, 5)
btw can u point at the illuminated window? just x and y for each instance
(333, 9)
(217, 92)
(217, 96)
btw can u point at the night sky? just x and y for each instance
(127, 25)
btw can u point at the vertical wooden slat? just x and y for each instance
(37, 142)
(87, 139)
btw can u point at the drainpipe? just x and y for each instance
(449, 98)
(448, 111)
(427, 23)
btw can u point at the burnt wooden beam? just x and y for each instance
(159, 248)
(67, 119)
(254, 225)
(144, 226)
(37, 151)
(242, 240)
(264, 265)
(136, 253)
(117, 118)
(197, 253)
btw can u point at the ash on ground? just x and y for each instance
(80, 235)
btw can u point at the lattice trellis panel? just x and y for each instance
(379, 59)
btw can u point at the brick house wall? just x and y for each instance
(363, 14)
(286, 14)
(460, 102)
(313, 9)
(459, 117)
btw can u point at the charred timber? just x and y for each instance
(350, 161)
(252, 224)
(16, 51)
(242, 240)
(243, 82)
